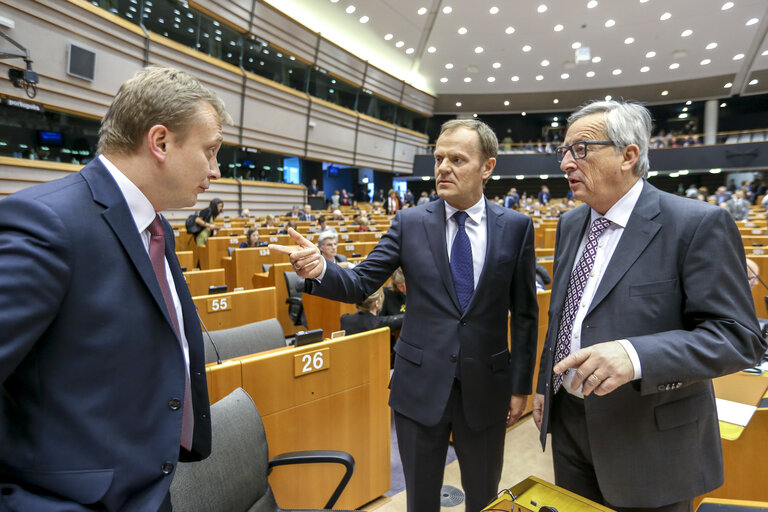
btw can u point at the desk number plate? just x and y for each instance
(310, 362)
(219, 304)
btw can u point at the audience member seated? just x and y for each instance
(252, 239)
(290, 224)
(338, 216)
(246, 213)
(270, 222)
(544, 195)
(327, 242)
(394, 294)
(306, 214)
(363, 226)
(322, 225)
(205, 219)
(367, 318)
(721, 195)
(423, 198)
(737, 206)
(294, 213)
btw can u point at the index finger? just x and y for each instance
(284, 249)
(572, 361)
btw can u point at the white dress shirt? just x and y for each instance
(143, 214)
(619, 216)
(476, 228)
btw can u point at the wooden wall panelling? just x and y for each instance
(407, 144)
(333, 135)
(375, 144)
(280, 30)
(383, 84)
(418, 100)
(333, 59)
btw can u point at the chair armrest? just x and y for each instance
(293, 300)
(315, 456)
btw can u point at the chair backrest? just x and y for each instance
(265, 267)
(245, 339)
(234, 476)
(291, 279)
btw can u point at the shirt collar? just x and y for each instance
(619, 213)
(142, 211)
(475, 211)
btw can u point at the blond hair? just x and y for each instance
(368, 302)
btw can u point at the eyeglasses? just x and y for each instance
(579, 149)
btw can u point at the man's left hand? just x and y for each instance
(516, 407)
(600, 368)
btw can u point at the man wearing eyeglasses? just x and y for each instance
(649, 303)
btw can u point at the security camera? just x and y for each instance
(24, 79)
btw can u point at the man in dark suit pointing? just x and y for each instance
(468, 264)
(649, 303)
(101, 365)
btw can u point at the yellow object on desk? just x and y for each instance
(534, 495)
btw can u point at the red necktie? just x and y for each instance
(157, 256)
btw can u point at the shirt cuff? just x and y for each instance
(319, 278)
(632, 353)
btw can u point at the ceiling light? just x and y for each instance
(616, 72)
(542, 8)
(665, 16)
(715, 171)
(596, 59)
(558, 27)
(479, 49)
(334, 1)
(387, 37)
(664, 93)
(591, 4)
(629, 40)
(728, 85)
(590, 74)
(545, 63)
(458, 103)
(684, 115)
(409, 51)
(539, 77)
(609, 23)
(685, 109)
(565, 76)
(462, 30)
(726, 6)
(350, 9)
(645, 69)
(555, 101)
(576, 45)
(688, 102)
(751, 21)
(467, 79)
(509, 30)
(738, 56)
(711, 46)
(447, 9)
(674, 65)
(449, 66)
(608, 98)
(431, 49)
(493, 10)
(491, 79)
(764, 53)
(723, 105)
(555, 118)
(686, 32)
(515, 78)
(443, 80)
(650, 55)
(422, 11)
(496, 65)
(522, 114)
(399, 44)
(506, 103)
(364, 19)
(527, 48)
(753, 81)
(705, 62)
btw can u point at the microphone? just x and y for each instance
(215, 348)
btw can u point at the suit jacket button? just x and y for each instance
(454, 358)
(463, 323)
(166, 468)
(174, 404)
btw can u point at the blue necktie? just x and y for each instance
(462, 266)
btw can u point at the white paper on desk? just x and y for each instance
(734, 412)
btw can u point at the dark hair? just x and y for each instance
(248, 236)
(213, 206)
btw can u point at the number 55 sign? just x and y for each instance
(309, 362)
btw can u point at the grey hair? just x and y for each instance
(626, 122)
(489, 144)
(325, 235)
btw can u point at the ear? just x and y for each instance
(488, 167)
(630, 156)
(157, 139)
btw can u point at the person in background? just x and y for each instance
(306, 214)
(369, 317)
(344, 198)
(252, 239)
(393, 202)
(512, 199)
(245, 214)
(322, 225)
(328, 242)
(737, 206)
(409, 199)
(335, 200)
(205, 219)
(312, 189)
(433, 195)
(544, 195)
(269, 222)
(394, 294)
(291, 224)
(363, 226)
(295, 212)
(423, 198)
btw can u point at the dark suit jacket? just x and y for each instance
(394, 302)
(361, 322)
(89, 361)
(436, 335)
(676, 289)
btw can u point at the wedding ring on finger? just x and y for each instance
(597, 379)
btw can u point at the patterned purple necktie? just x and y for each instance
(576, 286)
(462, 266)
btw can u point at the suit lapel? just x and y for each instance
(434, 225)
(494, 226)
(568, 245)
(640, 230)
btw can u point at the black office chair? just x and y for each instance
(295, 309)
(234, 477)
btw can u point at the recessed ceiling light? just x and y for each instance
(350, 9)
(334, 1)
(364, 19)
(711, 46)
(728, 85)
(616, 72)
(576, 45)
(555, 101)
(491, 79)
(400, 44)
(515, 78)
(686, 32)
(590, 74)
(545, 63)
(509, 30)
(688, 102)
(527, 48)
(447, 9)
(493, 10)
(431, 49)
(596, 59)
(558, 28)
(444, 79)
(705, 62)
(650, 55)
(645, 69)
(591, 4)
(764, 53)
(462, 30)
(506, 103)
(522, 114)
(387, 37)
(542, 8)
(723, 105)
(409, 51)
(753, 81)
(565, 76)
(479, 49)
(726, 6)
(555, 118)
(458, 103)
(738, 56)
(674, 65)
(467, 79)
(609, 23)
(608, 98)
(539, 77)
(751, 21)
(685, 109)
(665, 16)
(664, 93)
(422, 11)
(449, 66)
(496, 65)
(629, 40)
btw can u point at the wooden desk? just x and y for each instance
(232, 309)
(342, 406)
(275, 278)
(198, 281)
(243, 263)
(325, 314)
(215, 248)
(186, 259)
(361, 248)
